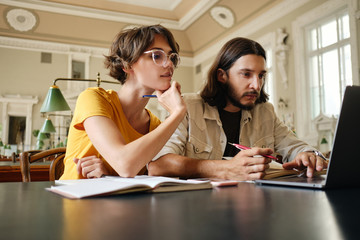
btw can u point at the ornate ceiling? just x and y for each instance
(196, 24)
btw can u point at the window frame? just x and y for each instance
(305, 126)
(338, 46)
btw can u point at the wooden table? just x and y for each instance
(10, 171)
(248, 211)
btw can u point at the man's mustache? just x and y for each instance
(251, 93)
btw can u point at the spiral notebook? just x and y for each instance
(344, 162)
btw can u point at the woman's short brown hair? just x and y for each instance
(130, 44)
(214, 92)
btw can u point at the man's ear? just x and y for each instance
(222, 76)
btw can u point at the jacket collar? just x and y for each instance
(212, 113)
(246, 115)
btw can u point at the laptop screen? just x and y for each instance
(344, 166)
(345, 159)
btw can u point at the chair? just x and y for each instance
(55, 155)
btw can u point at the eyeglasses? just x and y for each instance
(160, 58)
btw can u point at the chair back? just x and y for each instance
(55, 155)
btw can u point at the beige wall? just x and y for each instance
(22, 73)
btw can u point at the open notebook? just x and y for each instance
(112, 185)
(344, 165)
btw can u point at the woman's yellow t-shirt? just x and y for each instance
(96, 102)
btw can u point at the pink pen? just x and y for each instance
(241, 147)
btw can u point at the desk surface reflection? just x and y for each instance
(247, 211)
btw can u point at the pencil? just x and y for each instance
(241, 147)
(149, 96)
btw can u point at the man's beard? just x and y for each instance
(235, 100)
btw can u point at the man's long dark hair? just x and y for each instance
(214, 92)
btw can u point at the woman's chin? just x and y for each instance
(164, 87)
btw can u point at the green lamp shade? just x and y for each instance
(42, 136)
(39, 144)
(54, 101)
(48, 126)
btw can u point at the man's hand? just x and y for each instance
(91, 167)
(307, 160)
(249, 164)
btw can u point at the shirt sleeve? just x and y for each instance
(177, 142)
(154, 121)
(91, 102)
(287, 143)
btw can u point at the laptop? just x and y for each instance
(344, 163)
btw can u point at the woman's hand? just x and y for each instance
(91, 167)
(171, 99)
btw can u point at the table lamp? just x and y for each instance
(48, 126)
(55, 100)
(40, 140)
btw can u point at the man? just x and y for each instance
(233, 107)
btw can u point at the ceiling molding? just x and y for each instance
(182, 24)
(196, 12)
(223, 15)
(157, 4)
(42, 46)
(273, 14)
(21, 19)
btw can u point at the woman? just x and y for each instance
(115, 126)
